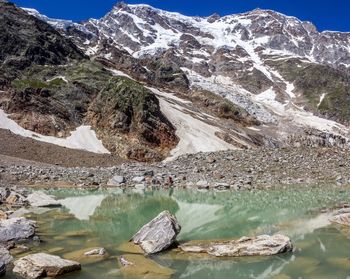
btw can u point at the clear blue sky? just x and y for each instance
(325, 14)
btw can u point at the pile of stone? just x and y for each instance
(236, 170)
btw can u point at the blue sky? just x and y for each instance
(325, 14)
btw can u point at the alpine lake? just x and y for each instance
(109, 218)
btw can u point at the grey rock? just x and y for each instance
(116, 180)
(263, 245)
(158, 234)
(15, 229)
(40, 199)
(44, 265)
(5, 256)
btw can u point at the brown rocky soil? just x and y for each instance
(24, 148)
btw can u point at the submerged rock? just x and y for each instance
(158, 234)
(96, 252)
(44, 265)
(137, 266)
(263, 245)
(15, 229)
(40, 199)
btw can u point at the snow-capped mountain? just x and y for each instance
(240, 81)
(143, 30)
(237, 56)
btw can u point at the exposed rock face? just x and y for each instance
(16, 229)
(43, 265)
(37, 43)
(158, 234)
(263, 245)
(40, 199)
(124, 112)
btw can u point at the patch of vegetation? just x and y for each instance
(315, 80)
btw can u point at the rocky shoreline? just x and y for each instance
(237, 170)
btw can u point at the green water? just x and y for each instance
(109, 218)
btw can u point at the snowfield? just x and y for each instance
(83, 138)
(195, 135)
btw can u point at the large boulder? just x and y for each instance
(40, 199)
(44, 265)
(263, 245)
(158, 234)
(15, 229)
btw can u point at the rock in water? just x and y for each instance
(44, 265)
(5, 256)
(96, 252)
(16, 229)
(40, 199)
(263, 245)
(342, 219)
(158, 234)
(2, 269)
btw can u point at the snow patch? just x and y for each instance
(321, 99)
(83, 138)
(195, 135)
